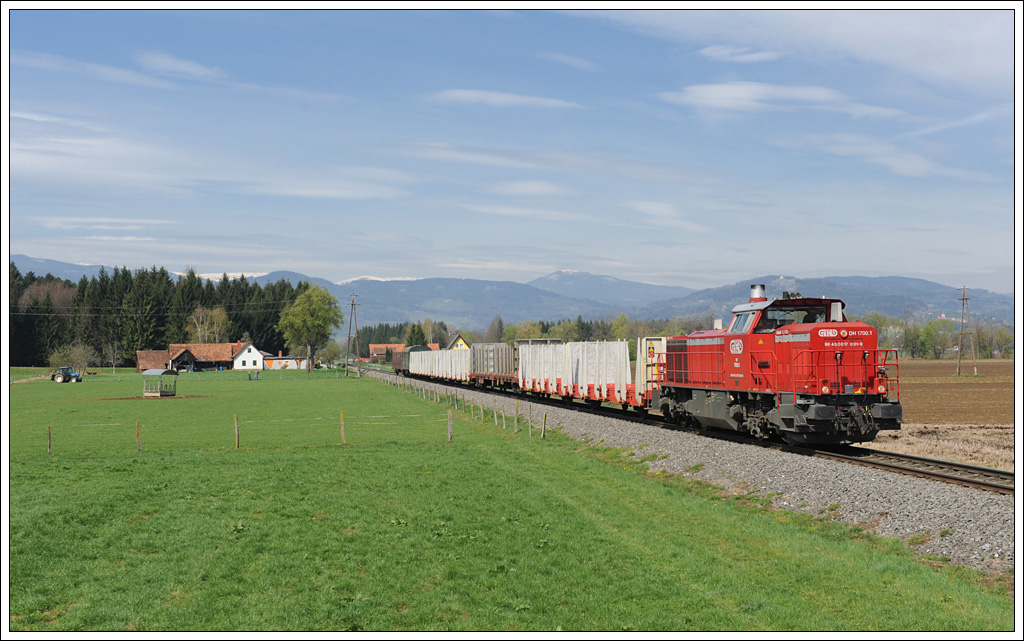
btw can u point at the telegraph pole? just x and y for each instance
(351, 322)
(964, 309)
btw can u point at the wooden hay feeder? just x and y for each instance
(159, 382)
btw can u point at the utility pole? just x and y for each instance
(351, 322)
(964, 309)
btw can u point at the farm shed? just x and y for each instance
(284, 362)
(159, 382)
(202, 356)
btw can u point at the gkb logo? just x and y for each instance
(828, 333)
(736, 346)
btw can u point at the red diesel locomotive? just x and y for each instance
(792, 367)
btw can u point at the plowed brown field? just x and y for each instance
(964, 418)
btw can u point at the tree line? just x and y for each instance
(115, 314)
(939, 337)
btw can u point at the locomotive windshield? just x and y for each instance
(741, 323)
(773, 318)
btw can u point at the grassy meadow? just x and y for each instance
(399, 529)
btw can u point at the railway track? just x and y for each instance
(983, 478)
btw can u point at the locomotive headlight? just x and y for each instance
(881, 389)
(824, 389)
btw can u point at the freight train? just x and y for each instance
(793, 368)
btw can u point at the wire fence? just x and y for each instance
(507, 414)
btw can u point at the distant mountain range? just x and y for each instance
(471, 304)
(606, 289)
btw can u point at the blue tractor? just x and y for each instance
(66, 375)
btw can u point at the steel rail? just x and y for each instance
(984, 478)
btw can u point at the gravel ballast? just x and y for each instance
(969, 527)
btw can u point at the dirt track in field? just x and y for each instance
(969, 418)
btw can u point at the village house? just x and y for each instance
(197, 357)
(379, 351)
(457, 342)
(248, 357)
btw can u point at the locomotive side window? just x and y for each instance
(741, 323)
(772, 319)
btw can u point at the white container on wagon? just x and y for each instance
(603, 366)
(422, 363)
(541, 366)
(453, 364)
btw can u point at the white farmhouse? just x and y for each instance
(248, 357)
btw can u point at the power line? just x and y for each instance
(964, 309)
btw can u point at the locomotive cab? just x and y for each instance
(792, 367)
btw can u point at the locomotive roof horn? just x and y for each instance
(757, 294)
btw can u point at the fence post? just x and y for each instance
(516, 430)
(236, 431)
(343, 428)
(544, 426)
(449, 426)
(495, 413)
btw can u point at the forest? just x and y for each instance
(115, 314)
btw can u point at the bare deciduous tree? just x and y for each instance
(208, 325)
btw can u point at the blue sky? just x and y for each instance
(678, 148)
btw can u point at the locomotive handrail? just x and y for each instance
(681, 363)
(773, 372)
(813, 366)
(895, 364)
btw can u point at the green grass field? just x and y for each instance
(398, 529)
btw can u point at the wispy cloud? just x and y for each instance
(47, 119)
(166, 64)
(741, 96)
(664, 215)
(473, 156)
(70, 222)
(51, 62)
(570, 61)
(498, 99)
(730, 53)
(528, 188)
(523, 212)
(323, 188)
(970, 50)
(899, 161)
(978, 118)
(156, 64)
